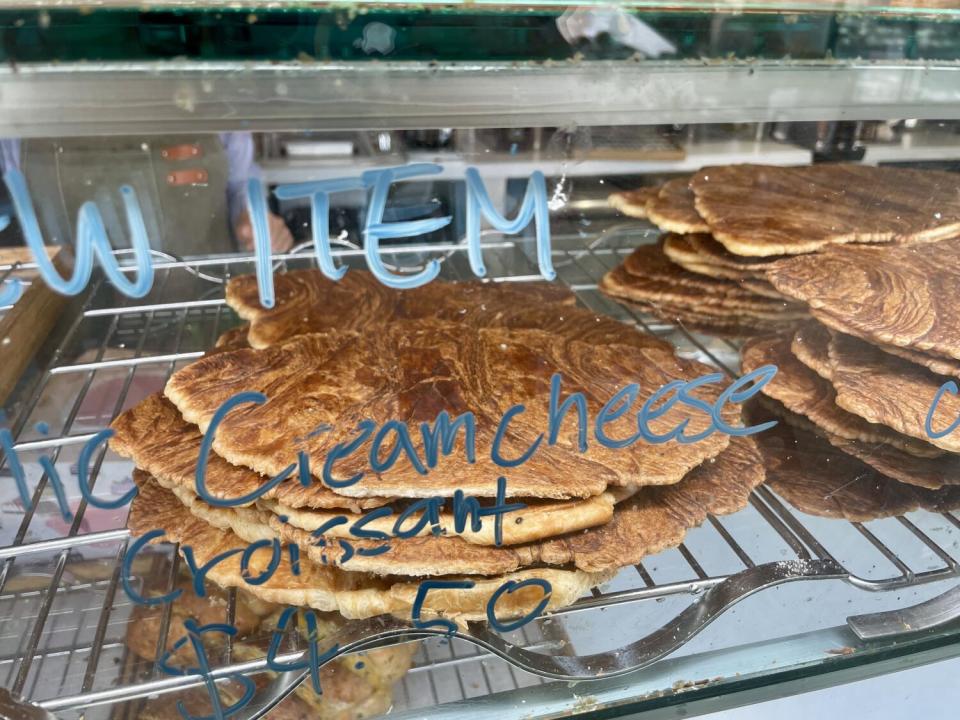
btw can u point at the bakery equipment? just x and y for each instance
(793, 599)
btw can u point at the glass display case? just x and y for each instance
(318, 201)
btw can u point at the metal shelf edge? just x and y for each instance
(44, 100)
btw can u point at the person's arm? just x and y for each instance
(241, 167)
(9, 154)
(9, 160)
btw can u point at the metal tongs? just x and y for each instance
(380, 631)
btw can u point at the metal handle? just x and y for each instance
(382, 631)
(922, 616)
(635, 656)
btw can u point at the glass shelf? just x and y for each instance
(130, 98)
(486, 32)
(180, 67)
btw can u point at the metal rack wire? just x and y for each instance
(63, 618)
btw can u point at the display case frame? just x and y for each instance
(57, 622)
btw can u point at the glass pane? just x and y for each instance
(488, 278)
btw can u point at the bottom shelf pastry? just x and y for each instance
(354, 686)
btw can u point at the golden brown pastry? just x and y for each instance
(819, 479)
(763, 210)
(327, 588)
(898, 296)
(633, 202)
(411, 375)
(673, 210)
(891, 391)
(308, 302)
(803, 392)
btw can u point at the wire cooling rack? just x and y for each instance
(64, 618)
